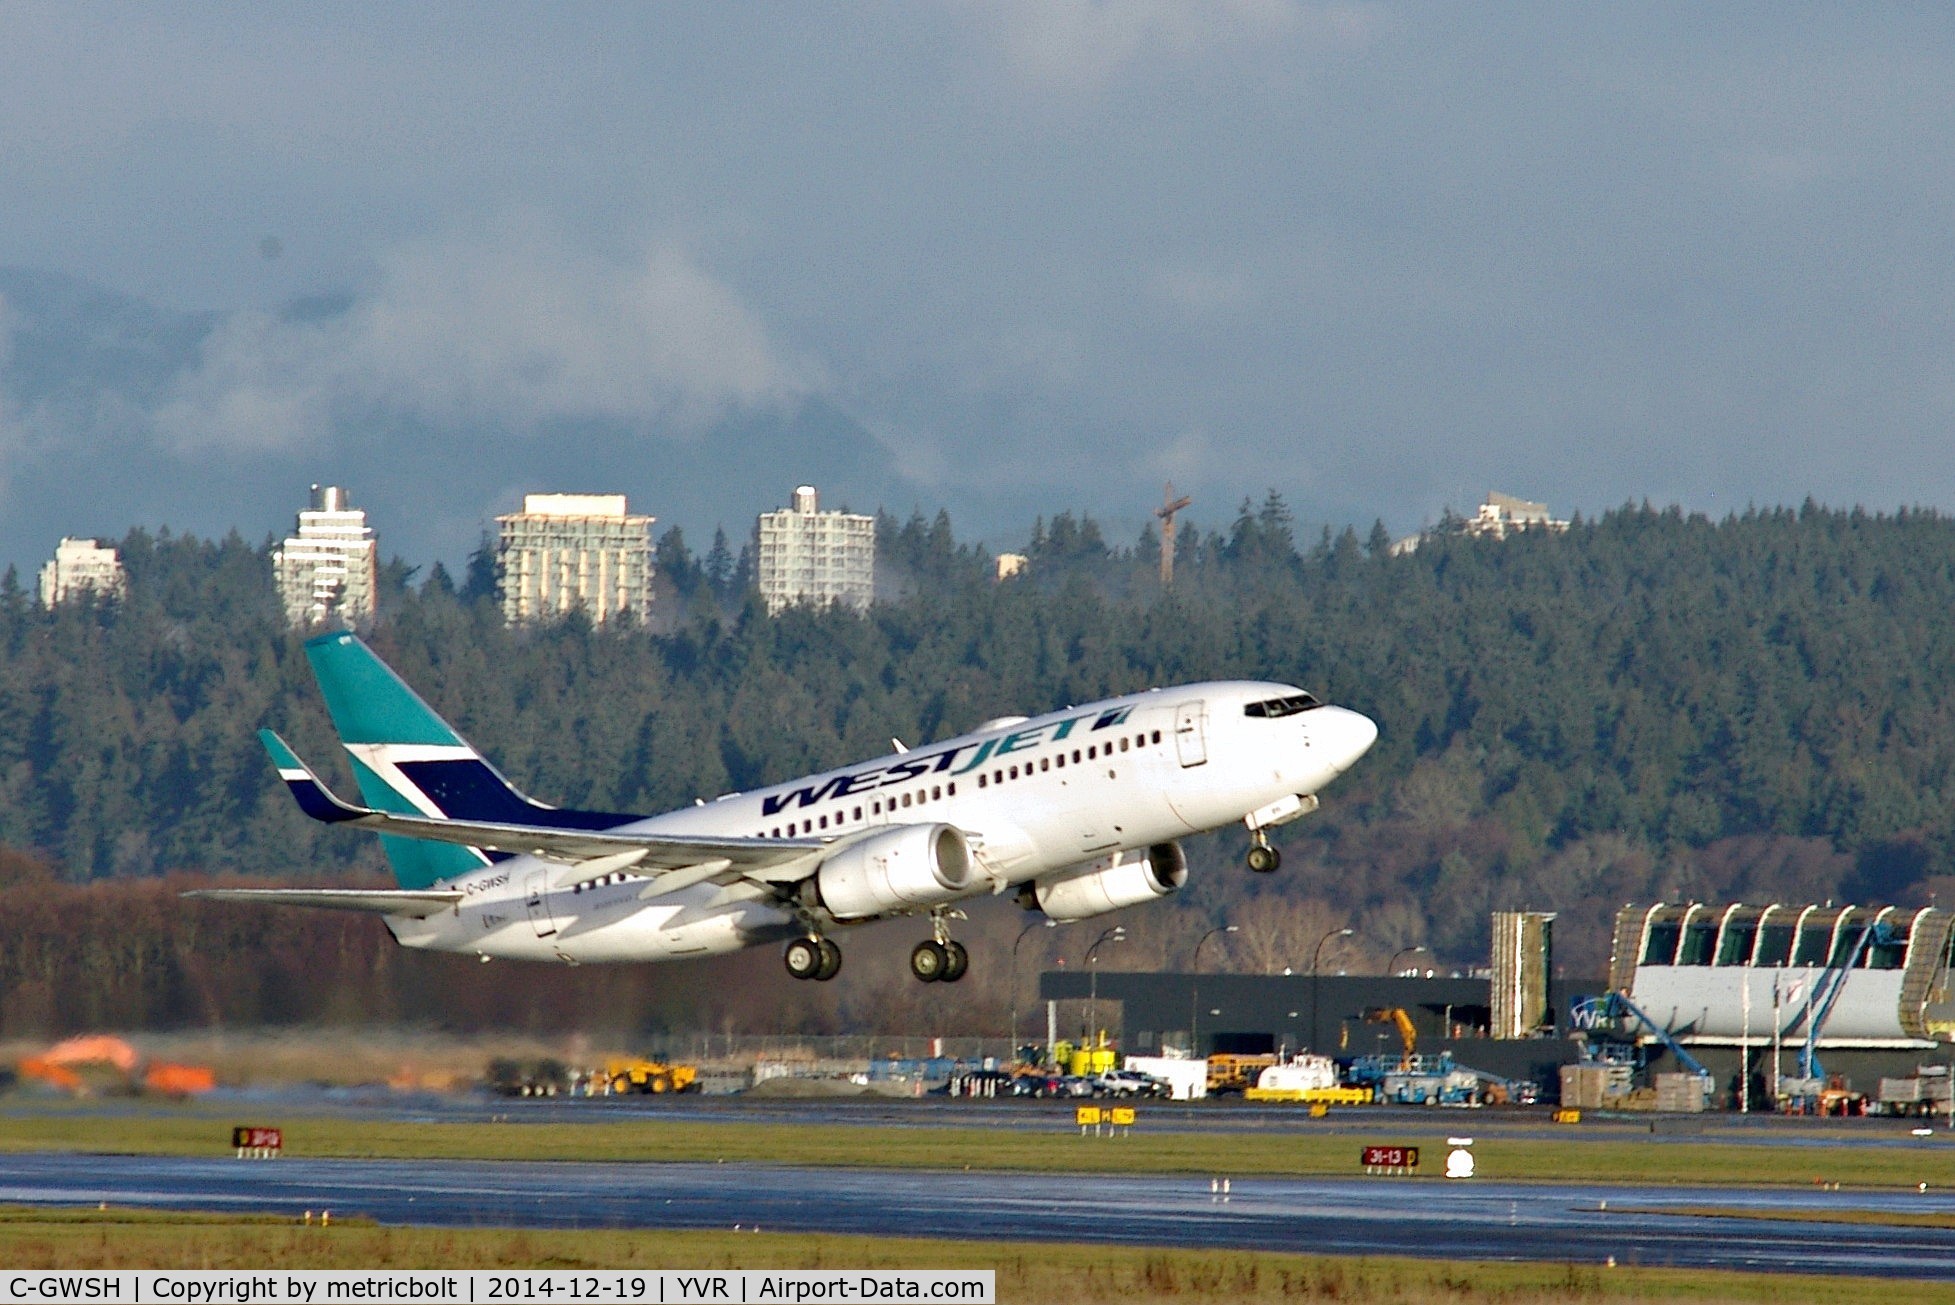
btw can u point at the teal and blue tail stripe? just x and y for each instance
(408, 761)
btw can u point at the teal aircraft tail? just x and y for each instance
(409, 761)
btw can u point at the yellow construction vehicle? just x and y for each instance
(1407, 1035)
(649, 1077)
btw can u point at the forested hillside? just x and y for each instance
(1652, 704)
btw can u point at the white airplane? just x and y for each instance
(1077, 811)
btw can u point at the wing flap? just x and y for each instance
(414, 904)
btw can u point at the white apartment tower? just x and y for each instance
(329, 570)
(805, 555)
(569, 551)
(81, 566)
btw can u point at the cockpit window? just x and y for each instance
(1271, 708)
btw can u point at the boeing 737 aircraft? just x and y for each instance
(1077, 812)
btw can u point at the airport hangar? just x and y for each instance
(1716, 978)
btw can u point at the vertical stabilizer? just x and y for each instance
(409, 761)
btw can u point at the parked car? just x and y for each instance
(1130, 1083)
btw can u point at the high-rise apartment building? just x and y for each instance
(563, 552)
(81, 566)
(329, 570)
(805, 555)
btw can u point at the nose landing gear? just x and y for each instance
(1263, 858)
(813, 958)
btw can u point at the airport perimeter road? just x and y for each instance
(1379, 1217)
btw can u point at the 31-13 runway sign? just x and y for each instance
(1390, 1157)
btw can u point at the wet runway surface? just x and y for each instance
(1412, 1217)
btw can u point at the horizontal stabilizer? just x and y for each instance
(415, 904)
(314, 798)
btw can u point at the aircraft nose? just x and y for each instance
(1351, 734)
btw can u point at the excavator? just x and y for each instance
(1407, 1035)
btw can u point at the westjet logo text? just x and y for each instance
(940, 763)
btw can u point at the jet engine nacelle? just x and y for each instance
(1123, 879)
(913, 865)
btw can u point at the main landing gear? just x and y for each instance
(813, 958)
(939, 960)
(1263, 858)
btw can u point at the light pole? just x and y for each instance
(1195, 988)
(1011, 1041)
(1118, 933)
(1391, 966)
(1316, 957)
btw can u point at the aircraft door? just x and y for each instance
(537, 902)
(1190, 734)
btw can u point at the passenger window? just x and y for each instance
(936, 792)
(1060, 761)
(858, 813)
(1014, 772)
(1045, 763)
(1157, 736)
(1093, 752)
(823, 822)
(1075, 756)
(1123, 745)
(952, 790)
(981, 780)
(906, 799)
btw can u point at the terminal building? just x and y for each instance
(81, 566)
(574, 552)
(806, 556)
(329, 570)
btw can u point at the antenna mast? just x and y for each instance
(1169, 506)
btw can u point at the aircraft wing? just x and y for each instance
(416, 905)
(674, 860)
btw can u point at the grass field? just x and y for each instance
(1028, 1274)
(1584, 1156)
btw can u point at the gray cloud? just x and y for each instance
(1383, 257)
(513, 328)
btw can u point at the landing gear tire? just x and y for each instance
(958, 959)
(803, 958)
(930, 960)
(1264, 859)
(831, 961)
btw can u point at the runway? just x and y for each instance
(1374, 1217)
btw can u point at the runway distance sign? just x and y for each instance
(249, 1140)
(1390, 1157)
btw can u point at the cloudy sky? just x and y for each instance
(1029, 256)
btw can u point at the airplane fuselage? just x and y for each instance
(1033, 796)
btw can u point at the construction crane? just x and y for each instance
(1169, 506)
